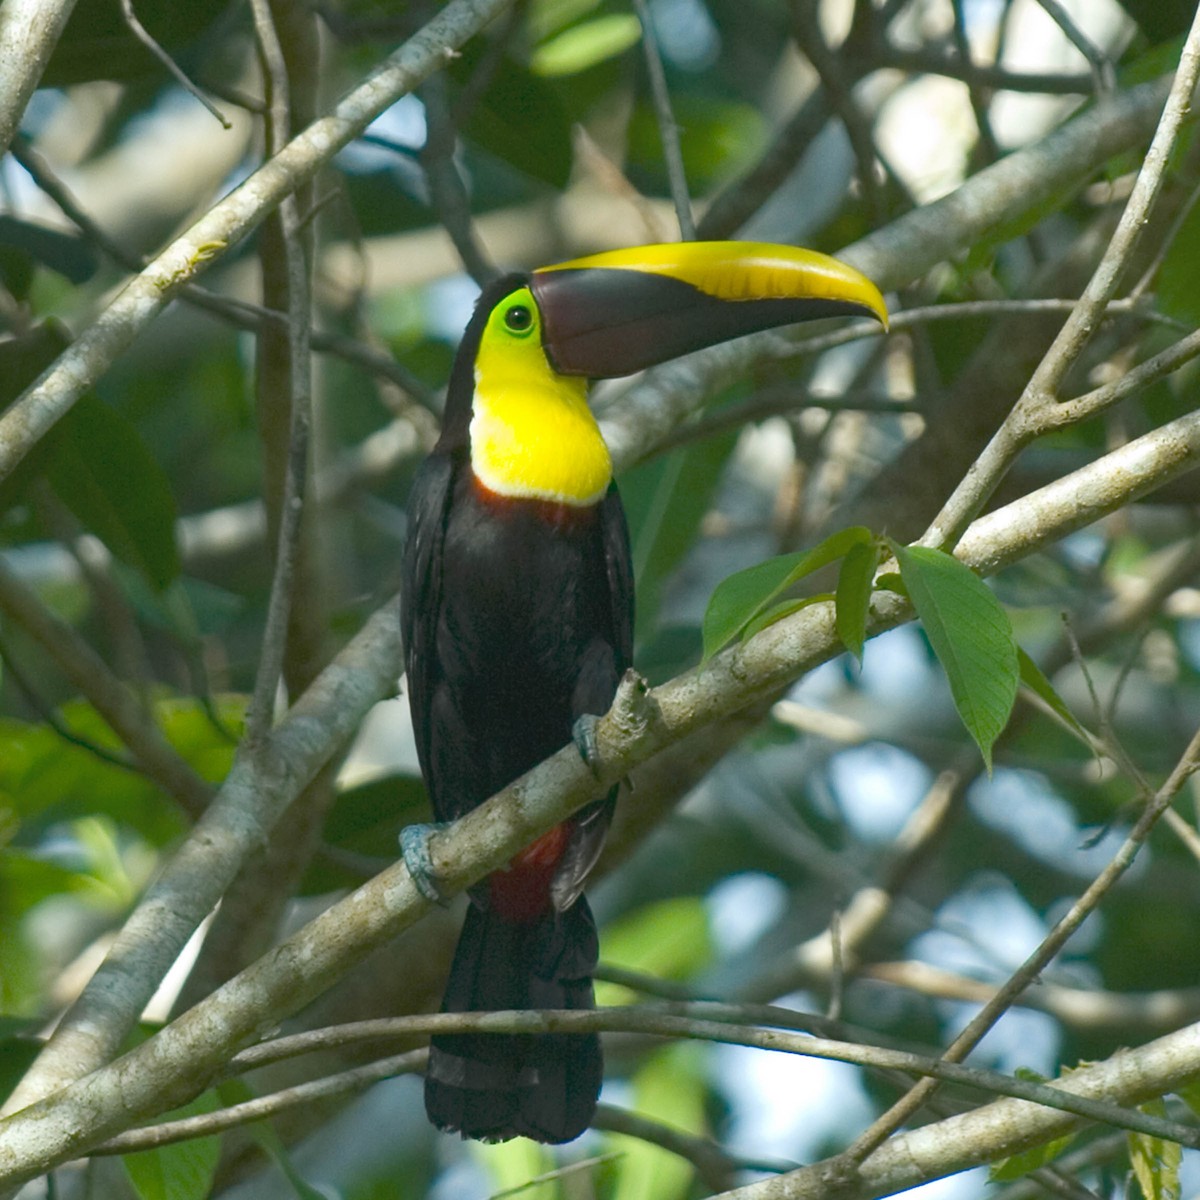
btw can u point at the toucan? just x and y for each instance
(517, 618)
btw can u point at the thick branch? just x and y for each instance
(29, 32)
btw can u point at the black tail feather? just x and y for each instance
(495, 1087)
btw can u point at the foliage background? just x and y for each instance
(837, 849)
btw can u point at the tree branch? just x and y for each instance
(29, 32)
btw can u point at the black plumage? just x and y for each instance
(517, 620)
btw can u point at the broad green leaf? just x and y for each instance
(97, 464)
(511, 1165)
(854, 596)
(237, 1091)
(19, 1046)
(548, 17)
(103, 471)
(1034, 678)
(1176, 294)
(585, 45)
(777, 612)
(183, 1170)
(669, 939)
(971, 635)
(665, 500)
(1155, 1161)
(48, 779)
(669, 1088)
(520, 119)
(736, 601)
(366, 820)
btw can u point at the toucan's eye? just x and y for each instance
(519, 319)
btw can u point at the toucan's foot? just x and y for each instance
(583, 734)
(414, 846)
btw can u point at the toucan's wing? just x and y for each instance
(421, 590)
(618, 560)
(589, 826)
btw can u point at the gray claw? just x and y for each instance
(414, 847)
(583, 734)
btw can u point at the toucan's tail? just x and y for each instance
(496, 1086)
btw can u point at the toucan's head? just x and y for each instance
(534, 337)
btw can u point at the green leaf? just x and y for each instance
(1016, 1165)
(19, 1046)
(669, 1088)
(1177, 295)
(237, 1091)
(520, 119)
(971, 635)
(777, 612)
(1033, 677)
(183, 1170)
(669, 939)
(739, 599)
(854, 596)
(103, 471)
(366, 821)
(586, 44)
(665, 500)
(67, 253)
(511, 1165)
(1155, 1161)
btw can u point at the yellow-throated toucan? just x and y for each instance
(518, 619)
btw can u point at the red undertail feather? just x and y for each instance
(521, 891)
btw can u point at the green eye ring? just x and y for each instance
(518, 320)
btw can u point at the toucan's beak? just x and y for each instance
(616, 313)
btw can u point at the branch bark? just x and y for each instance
(29, 32)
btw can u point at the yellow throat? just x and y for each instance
(532, 434)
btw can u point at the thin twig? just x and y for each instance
(147, 39)
(714, 1164)
(738, 1025)
(241, 313)
(829, 68)
(931, 61)
(447, 190)
(1102, 66)
(1086, 1011)
(668, 130)
(978, 96)
(344, 1083)
(297, 403)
